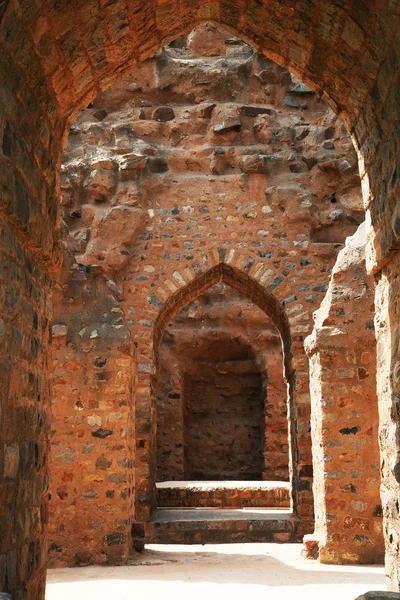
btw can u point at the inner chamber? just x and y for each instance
(220, 393)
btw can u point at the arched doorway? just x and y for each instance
(172, 215)
(219, 387)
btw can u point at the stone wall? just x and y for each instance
(92, 476)
(223, 414)
(55, 57)
(388, 368)
(24, 416)
(196, 161)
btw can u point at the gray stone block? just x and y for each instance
(379, 596)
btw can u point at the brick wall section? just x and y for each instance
(253, 172)
(220, 316)
(223, 414)
(168, 392)
(276, 450)
(92, 477)
(24, 417)
(344, 422)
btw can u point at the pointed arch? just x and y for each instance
(241, 282)
(145, 422)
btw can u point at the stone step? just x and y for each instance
(223, 494)
(213, 526)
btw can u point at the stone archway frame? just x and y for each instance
(145, 437)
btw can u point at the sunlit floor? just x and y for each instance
(268, 571)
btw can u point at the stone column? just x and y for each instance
(387, 321)
(92, 446)
(25, 289)
(344, 421)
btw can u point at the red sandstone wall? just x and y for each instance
(388, 369)
(24, 417)
(223, 414)
(188, 163)
(276, 449)
(168, 392)
(92, 477)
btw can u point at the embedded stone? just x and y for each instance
(254, 111)
(294, 102)
(230, 124)
(114, 539)
(163, 114)
(66, 456)
(257, 163)
(102, 433)
(103, 463)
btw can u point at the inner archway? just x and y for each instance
(221, 406)
(219, 355)
(250, 289)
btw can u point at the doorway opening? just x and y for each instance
(173, 180)
(221, 403)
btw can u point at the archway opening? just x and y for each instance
(223, 411)
(253, 182)
(221, 404)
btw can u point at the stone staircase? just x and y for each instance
(223, 494)
(221, 512)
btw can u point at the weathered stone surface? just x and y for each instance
(94, 368)
(59, 330)
(273, 230)
(207, 40)
(24, 416)
(68, 54)
(344, 414)
(112, 236)
(386, 327)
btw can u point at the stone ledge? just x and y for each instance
(379, 596)
(221, 494)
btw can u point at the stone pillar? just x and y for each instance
(387, 323)
(92, 483)
(24, 417)
(344, 421)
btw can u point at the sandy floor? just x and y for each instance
(221, 572)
